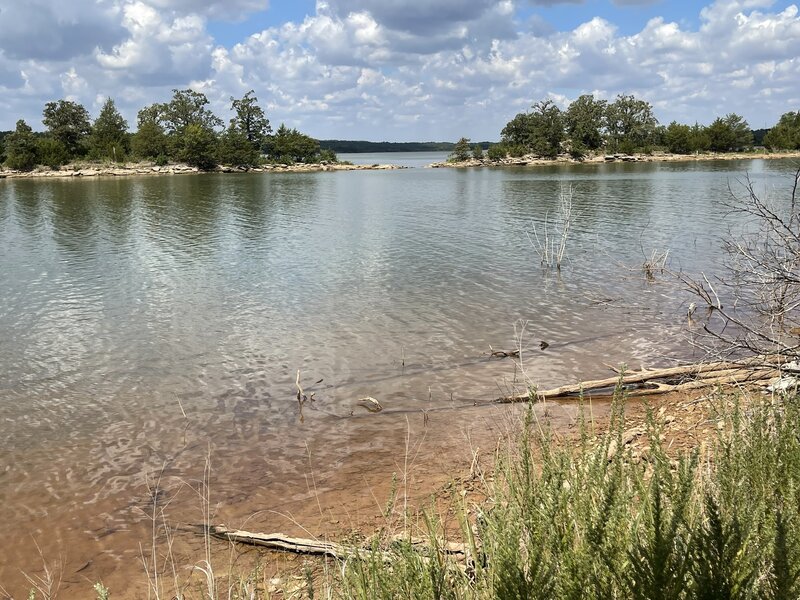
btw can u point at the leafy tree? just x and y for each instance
(250, 119)
(699, 138)
(786, 134)
(150, 139)
(21, 148)
(290, 146)
(51, 152)
(461, 150)
(109, 137)
(584, 121)
(68, 122)
(477, 152)
(631, 123)
(3, 135)
(187, 107)
(678, 138)
(197, 147)
(548, 128)
(518, 131)
(540, 131)
(236, 150)
(729, 133)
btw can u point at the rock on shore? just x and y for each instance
(99, 170)
(533, 160)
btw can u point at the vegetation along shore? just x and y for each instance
(186, 136)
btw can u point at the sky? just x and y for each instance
(402, 70)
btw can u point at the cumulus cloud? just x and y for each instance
(227, 10)
(398, 69)
(48, 30)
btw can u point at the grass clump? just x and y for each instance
(593, 520)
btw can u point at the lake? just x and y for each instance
(149, 322)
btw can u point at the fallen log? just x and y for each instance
(283, 543)
(278, 541)
(698, 375)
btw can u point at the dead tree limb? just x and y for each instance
(688, 376)
(282, 543)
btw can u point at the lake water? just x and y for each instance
(147, 322)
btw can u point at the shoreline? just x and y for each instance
(533, 160)
(81, 170)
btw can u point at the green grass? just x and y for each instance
(570, 522)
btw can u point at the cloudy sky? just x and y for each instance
(402, 69)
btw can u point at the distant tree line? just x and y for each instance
(627, 125)
(181, 130)
(354, 146)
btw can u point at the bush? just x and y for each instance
(52, 152)
(328, 156)
(591, 522)
(497, 152)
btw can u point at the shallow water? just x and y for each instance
(147, 322)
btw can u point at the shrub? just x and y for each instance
(497, 152)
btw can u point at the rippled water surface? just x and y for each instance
(145, 322)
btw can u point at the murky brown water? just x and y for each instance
(146, 324)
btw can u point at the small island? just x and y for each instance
(177, 137)
(592, 130)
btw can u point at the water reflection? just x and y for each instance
(145, 320)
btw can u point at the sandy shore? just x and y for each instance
(101, 170)
(533, 160)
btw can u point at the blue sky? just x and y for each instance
(403, 69)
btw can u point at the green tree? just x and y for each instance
(548, 128)
(678, 138)
(540, 131)
(518, 131)
(150, 139)
(68, 122)
(109, 137)
(290, 146)
(196, 146)
(729, 133)
(187, 107)
(250, 120)
(21, 148)
(631, 124)
(699, 138)
(477, 152)
(461, 151)
(51, 152)
(236, 150)
(786, 134)
(584, 122)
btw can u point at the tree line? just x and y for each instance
(181, 130)
(626, 125)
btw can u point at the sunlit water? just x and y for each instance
(147, 321)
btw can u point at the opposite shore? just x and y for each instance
(81, 170)
(535, 160)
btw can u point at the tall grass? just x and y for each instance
(594, 521)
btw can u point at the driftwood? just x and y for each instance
(659, 381)
(283, 543)
(280, 542)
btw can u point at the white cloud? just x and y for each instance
(397, 69)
